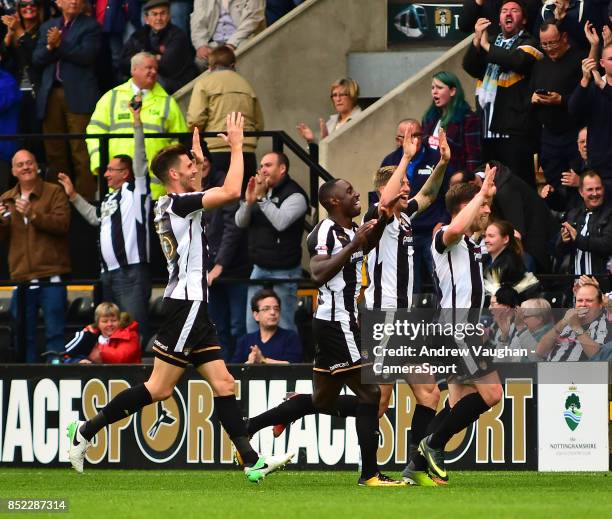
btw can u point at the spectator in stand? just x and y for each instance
(66, 52)
(270, 344)
(581, 331)
(215, 95)
(111, 339)
(276, 9)
(502, 331)
(10, 99)
(570, 16)
(274, 210)
(520, 205)
(169, 44)
(533, 320)
(553, 79)
(224, 22)
(587, 233)
(227, 244)
(474, 9)
(35, 221)
(20, 40)
(502, 64)
(506, 268)
(450, 111)
(160, 113)
(418, 171)
(592, 100)
(344, 95)
(123, 219)
(118, 19)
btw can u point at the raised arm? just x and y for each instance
(230, 190)
(429, 192)
(461, 223)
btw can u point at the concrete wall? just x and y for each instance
(292, 64)
(354, 152)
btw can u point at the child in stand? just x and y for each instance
(112, 339)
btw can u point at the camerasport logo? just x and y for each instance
(160, 428)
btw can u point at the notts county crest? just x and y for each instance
(442, 19)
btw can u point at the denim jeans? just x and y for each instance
(422, 255)
(52, 300)
(287, 292)
(180, 10)
(226, 307)
(130, 289)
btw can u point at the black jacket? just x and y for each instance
(226, 241)
(511, 112)
(176, 67)
(272, 249)
(599, 239)
(520, 204)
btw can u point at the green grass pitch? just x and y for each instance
(118, 494)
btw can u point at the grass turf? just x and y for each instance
(115, 494)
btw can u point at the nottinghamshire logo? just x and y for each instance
(572, 413)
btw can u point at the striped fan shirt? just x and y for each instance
(337, 298)
(389, 265)
(124, 225)
(568, 348)
(582, 260)
(180, 226)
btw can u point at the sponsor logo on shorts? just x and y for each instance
(160, 345)
(338, 366)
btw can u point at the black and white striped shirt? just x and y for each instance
(178, 222)
(567, 346)
(124, 225)
(582, 260)
(458, 272)
(338, 297)
(123, 216)
(389, 265)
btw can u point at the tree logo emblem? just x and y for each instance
(572, 413)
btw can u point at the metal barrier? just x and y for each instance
(280, 140)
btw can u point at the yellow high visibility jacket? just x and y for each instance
(160, 113)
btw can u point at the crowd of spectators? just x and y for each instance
(543, 117)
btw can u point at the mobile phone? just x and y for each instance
(135, 104)
(542, 92)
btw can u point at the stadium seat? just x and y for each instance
(557, 299)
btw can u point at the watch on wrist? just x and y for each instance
(578, 331)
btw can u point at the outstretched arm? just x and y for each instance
(463, 221)
(429, 192)
(230, 190)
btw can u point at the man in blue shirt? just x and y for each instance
(270, 344)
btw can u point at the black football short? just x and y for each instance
(337, 346)
(187, 336)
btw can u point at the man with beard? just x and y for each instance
(187, 336)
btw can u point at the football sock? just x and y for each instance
(230, 417)
(124, 404)
(285, 413)
(424, 422)
(367, 434)
(466, 411)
